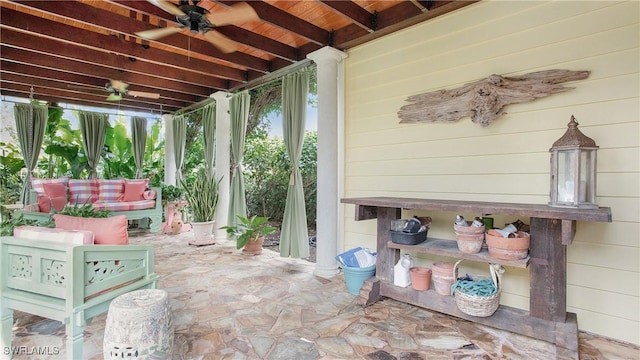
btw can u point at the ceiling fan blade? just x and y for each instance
(119, 85)
(114, 97)
(238, 13)
(168, 6)
(155, 34)
(220, 41)
(143, 94)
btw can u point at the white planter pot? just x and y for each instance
(203, 233)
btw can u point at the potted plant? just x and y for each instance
(174, 208)
(249, 233)
(202, 197)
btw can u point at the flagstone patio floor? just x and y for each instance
(231, 306)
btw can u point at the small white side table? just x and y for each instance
(139, 326)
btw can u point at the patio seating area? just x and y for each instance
(229, 305)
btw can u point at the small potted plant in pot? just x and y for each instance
(249, 233)
(202, 197)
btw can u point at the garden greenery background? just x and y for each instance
(266, 164)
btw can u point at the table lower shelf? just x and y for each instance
(449, 248)
(564, 334)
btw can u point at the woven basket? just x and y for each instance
(481, 306)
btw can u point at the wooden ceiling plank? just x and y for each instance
(353, 12)
(153, 77)
(35, 43)
(126, 25)
(53, 95)
(58, 85)
(282, 19)
(89, 82)
(60, 31)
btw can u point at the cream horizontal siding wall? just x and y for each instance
(509, 159)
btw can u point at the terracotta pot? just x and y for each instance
(420, 277)
(508, 248)
(469, 238)
(254, 247)
(442, 277)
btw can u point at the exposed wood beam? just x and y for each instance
(89, 82)
(96, 70)
(21, 79)
(401, 16)
(282, 19)
(126, 25)
(353, 12)
(59, 96)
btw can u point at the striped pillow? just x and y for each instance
(110, 190)
(83, 191)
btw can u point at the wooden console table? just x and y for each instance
(552, 229)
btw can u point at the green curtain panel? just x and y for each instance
(139, 135)
(179, 140)
(209, 139)
(294, 238)
(94, 131)
(31, 121)
(239, 112)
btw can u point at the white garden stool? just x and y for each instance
(139, 326)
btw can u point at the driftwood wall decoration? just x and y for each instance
(483, 100)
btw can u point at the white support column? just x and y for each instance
(327, 60)
(169, 157)
(223, 160)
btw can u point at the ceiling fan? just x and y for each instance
(200, 20)
(117, 88)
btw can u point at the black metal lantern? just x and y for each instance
(573, 169)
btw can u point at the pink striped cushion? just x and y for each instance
(110, 190)
(83, 191)
(125, 205)
(78, 237)
(38, 184)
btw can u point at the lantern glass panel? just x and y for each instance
(587, 169)
(566, 176)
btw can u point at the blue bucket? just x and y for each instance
(355, 277)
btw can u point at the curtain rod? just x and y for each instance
(67, 108)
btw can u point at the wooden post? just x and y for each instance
(387, 257)
(548, 283)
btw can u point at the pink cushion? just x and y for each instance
(134, 189)
(38, 184)
(46, 202)
(110, 190)
(55, 189)
(78, 237)
(83, 191)
(125, 205)
(111, 230)
(150, 195)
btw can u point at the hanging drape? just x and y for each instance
(94, 131)
(139, 136)
(294, 236)
(209, 139)
(239, 113)
(179, 140)
(31, 121)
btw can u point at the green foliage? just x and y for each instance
(11, 163)
(7, 226)
(202, 196)
(84, 210)
(249, 229)
(171, 193)
(64, 147)
(117, 155)
(267, 169)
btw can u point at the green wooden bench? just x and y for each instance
(67, 282)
